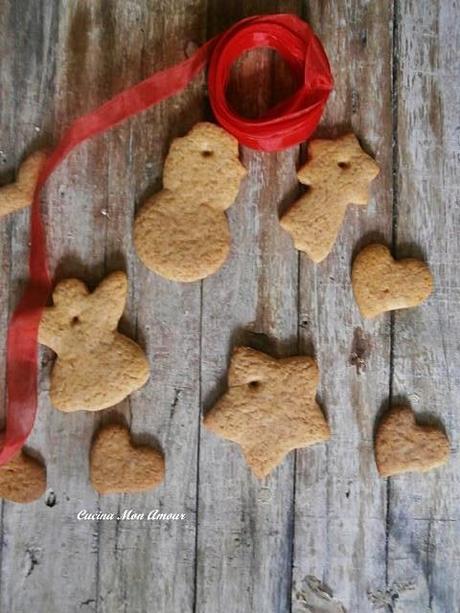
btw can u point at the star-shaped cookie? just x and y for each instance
(269, 408)
(338, 173)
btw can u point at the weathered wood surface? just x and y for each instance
(246, 545)
(424, 511)
(340, 501)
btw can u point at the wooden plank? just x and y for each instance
(103, 49)
(58, 60)
(245, 526)
(45, 547)
(151, 564)
(424, 530)
(340, 501)
(8, 162)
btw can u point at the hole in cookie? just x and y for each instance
(207, 154)
(304, 189)
(344, 165)
(75, 321)
(254, 385)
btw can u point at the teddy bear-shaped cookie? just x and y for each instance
(96, 366)
(182, 232)
(337, 173)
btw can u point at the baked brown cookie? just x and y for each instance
(20, 194)
(117, 465)
(22, 479)
(338, 173)
(381, 283)
(269, 408)
(182, 232)
(402, 445)
(96, 366)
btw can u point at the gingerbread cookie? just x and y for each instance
(18, 195)
(96, 366)
(269, 409)
(118, 466)
(182, 232)
(382, 284)
(402, 445)
(22, 479)
(337, 174)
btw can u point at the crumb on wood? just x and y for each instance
(313, 596)
(388, 596)
(32, 559)
(360, 350)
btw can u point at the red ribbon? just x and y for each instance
(287, 124)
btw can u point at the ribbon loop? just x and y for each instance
(293, 120)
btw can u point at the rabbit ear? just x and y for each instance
(68, 296)
(108, 300)
(68, 293)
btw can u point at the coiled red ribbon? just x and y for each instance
(289, 123)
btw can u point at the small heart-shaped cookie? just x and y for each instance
(117, 465)
(18, 195)
(381, 283)
(22, 479)
(402, 445)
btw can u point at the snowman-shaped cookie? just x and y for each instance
(182, 232)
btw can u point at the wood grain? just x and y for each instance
(244, 552)
(36, 566)
(340, 501)
(166, 318)
(424, 532)
(246, 546)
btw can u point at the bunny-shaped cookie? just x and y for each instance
(182, 232)
(96, 366)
